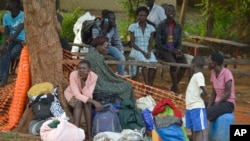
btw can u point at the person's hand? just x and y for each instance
(148, 54)
(105, 25)
(178, 53)
(98, 106)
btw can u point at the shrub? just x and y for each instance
(69, 19)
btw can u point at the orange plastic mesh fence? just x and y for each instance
(242, 114)
(14, 95)
(6, 95)
(141, 90)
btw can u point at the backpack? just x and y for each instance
(106, 120)
(86, 32)
(41, 106)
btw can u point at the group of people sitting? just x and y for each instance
(154, 28)
(154, 24)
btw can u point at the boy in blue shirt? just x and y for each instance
(13, 23)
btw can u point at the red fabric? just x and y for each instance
(161, 106)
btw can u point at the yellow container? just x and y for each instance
(155, 136)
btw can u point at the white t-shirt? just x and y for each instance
(193, 92)
(156, 14)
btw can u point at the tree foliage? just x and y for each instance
(230, 20)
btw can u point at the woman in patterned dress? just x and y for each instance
(108, 82)
(141, 36)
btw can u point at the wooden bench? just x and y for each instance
(193, 45)
(229, 43)
(126, 48)
(161, 64)
(237, 61)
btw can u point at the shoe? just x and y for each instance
(124, 75)
(3, 83)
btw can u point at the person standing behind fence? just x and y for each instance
(13, 23)
(141, 37)
(196, 118)
(109, 29)
(156, 14)
(168, 43)
(222, 99)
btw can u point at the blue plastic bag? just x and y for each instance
(171, 133)
(148, 119)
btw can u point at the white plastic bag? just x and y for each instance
(125, 135)
(78, 26)
(146, 102)
(65, 131)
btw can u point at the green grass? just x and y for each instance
(14, 136)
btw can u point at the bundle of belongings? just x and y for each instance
(58, 129)
(118, 118)
(168, 121)
(125, 135)
(44, 104)
(126, 118)
(162, 118)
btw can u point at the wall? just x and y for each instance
(98, 5)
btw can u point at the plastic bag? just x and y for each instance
(146, 102)
(148, 119)
(78, 26)
(65, 131)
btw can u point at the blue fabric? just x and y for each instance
(148, 119)
(13, 51)
(13, 23)
(219, 129)
(106, 120)
(113, 51)
(196, 119)
(171, 133)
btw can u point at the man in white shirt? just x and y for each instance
(156, 14)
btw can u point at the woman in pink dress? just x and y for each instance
(222, 99)
(79, 94)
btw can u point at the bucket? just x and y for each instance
(219, 129)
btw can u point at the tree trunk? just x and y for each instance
(183, 11)
(210, 18)
(42, 27)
